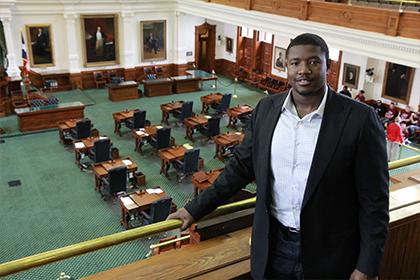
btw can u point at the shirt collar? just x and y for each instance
(290, 106)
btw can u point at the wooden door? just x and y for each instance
(205, 46)
(334, 71)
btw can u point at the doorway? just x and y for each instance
(205, 46)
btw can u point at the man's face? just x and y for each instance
(306, 69)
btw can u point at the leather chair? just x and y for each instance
(138, 120)
(163, 138)
(115, 182)
(222, 107)
(159, 211)
(82, 130)
(101, 150)
(188, 165)
(212, 128)
(99, 79)
(159, 72)
(185, 112)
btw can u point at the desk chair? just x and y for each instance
(159, 211)
(101, 150)
(188, 165)
(163, 138)
(185, 112)
(159, 72)
(138, 120)
(212, 128)
(115, 182)
(245, 121)
(99, 79)
(82, 130)
(222, 107)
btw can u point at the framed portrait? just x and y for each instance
(153, 40)
(398, 80)
(40, 47)
(229, 45)
(351, 75)
(99, 39)
(279, 59)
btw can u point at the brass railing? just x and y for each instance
(121, 237)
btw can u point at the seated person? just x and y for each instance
(390, 114)
(380, 108)
(345, 91)
(361, 96)
(405, 115)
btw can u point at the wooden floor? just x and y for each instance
(223, 257)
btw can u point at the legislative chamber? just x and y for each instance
(116, 114)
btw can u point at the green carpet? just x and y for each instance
(56, 205)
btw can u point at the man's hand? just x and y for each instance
(357, 275)
(183, 215)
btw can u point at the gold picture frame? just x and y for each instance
(279, 59)
(153, 40)
(40, 45)
(351, 75)
(99, 39)
(398, 82)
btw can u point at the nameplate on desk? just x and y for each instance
(207, 117)
(102, 137)
(238, 133)
(79, 145)
(127, 162)
(141, 133)
(188, 146)
(159, 126)
(156, 191)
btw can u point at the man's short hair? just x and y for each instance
(313, 40)
(362, 91)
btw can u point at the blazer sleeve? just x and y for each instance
(371, 180)
(237, 174)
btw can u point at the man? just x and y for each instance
(319, 160)
(361, 96)
(345, 91)
(99, 43)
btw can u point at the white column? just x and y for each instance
(179, 48)
(12, 69)
(72, 42)
(127, 37)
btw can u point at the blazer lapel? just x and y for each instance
(334, 118)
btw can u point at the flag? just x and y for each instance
(25, 69)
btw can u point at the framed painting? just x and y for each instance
(351, 75)
(153, 40)
(398, 80)
(99, 39)
(40, 47)
(279, 59)
(229, 45)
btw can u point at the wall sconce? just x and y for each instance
(219, 40)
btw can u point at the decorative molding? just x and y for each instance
(388, 48)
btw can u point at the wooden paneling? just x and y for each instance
(289, 8)
(225, 67)
(130, 74)
(409, 25)
(87, 76)
(62, 79)
(245, 4)
(385, 21)
(402, 250)
(76, 80)
(179, 69)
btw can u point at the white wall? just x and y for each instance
(230, 31)
(354, 59)
(186, 35)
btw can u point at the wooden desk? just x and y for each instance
(84, 146)
(222, 141)
(37, 118)
(143, 135)
(120, 117)
(210, 99)
(187, 83)
(194, 123)
(203, 75)
(133, 204)
(123, 91)
(65, 127)
(405, 179)
(202, 180)
(157, 87)
(169, 155)
(168, 108)
(224, 257)
(236, 112)
(100, 170)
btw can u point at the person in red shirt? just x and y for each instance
(361, 96)
(394, 137)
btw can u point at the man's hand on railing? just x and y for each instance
(183, 215)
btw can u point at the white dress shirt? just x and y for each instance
(292, 150)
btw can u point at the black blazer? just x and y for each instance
(344, 217)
